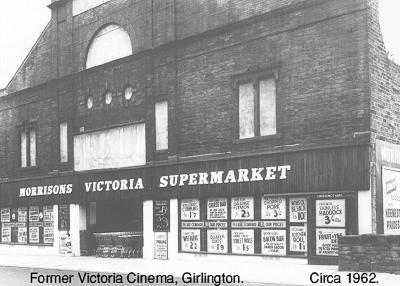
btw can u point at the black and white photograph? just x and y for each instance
(200, 142)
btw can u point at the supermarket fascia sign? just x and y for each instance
(178, 180)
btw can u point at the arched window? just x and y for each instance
(110, 43)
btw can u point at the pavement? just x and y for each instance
(266, 272)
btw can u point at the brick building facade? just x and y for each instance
(334, 99)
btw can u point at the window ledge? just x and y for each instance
(28, 168)
(257, 139)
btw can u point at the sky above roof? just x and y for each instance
(23, 21)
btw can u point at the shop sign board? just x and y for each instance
(242, 208)
(161, 215)
(190, 209)
(327, 241)
(243, 241)
(298, 209)
(330, 213)
(217, 240)
(190, 240)
(161, 245)
(273, 242)
(217, 209)
(273, 208)
(391, 200)
(298, 238)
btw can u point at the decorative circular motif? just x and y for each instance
(128, 93)
(108, 97)
(89, 102)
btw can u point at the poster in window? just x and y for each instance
(242, 208)
(6, 234)
(327, 241)
(298, 209)
(33, 214)
(63, 217)
(190, 240)
(217, 240)
(298, 238)
(5, 215)
(48, 214)
(48, 235)
(14, 215)
(330, 213)
(190, 209)
(34, 234)
(161, 216)
(273, 208)
(161, 245)
(391, 200)
(273, 242)
(217, 209)
(22, 235)
(243, 241)
(22, 214)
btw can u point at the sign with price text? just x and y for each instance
(190, 209)
(217, 240)
(330, 213)
(243, 241)
(161, 216)
(273, 208)
(242, 208)
(190, 240)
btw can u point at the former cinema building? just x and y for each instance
(174, 129)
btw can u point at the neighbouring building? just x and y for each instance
(175, 129)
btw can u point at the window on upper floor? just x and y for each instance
(80, 6)
(110, 43)
(63, 142)
(28, 147)
(161, 118)
(257, 107)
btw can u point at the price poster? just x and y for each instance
(243, 241)
(161, 215)
(48, 233)
(327, 241)
(273, 208)
(22, 235)
(34, 234)
(5, 215)
(161, 245)
(298, 238)
(217, 209)
(273, 242)
(6, 234)
(330, 213)
(242, 208)
(217, 240)
(298, 209)
(190, 209)
(63, 217)
(48, 214)
(33, 214)
(22, 214)
(391, 200)
(190, 240)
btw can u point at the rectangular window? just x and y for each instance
(28, 147)
(32, 147)
(161, 118)
(24, 162)
(112, 148)
(63, 142)
(257, 108)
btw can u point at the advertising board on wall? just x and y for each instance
(391, 200)
(161, 245)
(298, 238)
(217, 209)
(327, 241)
(330, 213)
(273, 208)
(217, 240)
(243, 241)
(273, 242)
(190, 240)
(298, 209)
(242, 208)
(161, 215)
(190, 209)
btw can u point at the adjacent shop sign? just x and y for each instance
(298, 238)
(217, 240)
(242, 208)
(327, 241)
(63, 189)
(130, 184)
(243, 241)
(273, 242)
(161, 215)
(190, 209)
(63, 217)
(391, 200)
(161, 245)
(298, 209)
(190, 240)
(330, 213)
(217, 209)
(273, 208)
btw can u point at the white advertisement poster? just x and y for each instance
(22, 235)
(217, 209)
(298, 209)
(190, 209)
(161, 245)
(33, 214)
(190, 240)
(242, 208)
(65, 242)
(391, 200)
(34, 235)
(48, 235)
(330, 213)
(298, 238)
(273, 242)
(5, 215)
(243, 241)
(273, 208)
(327, 241)
(6, 234)
(48, 213)
(217, 240)
(22, 214)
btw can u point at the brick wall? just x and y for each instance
(372, 253)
